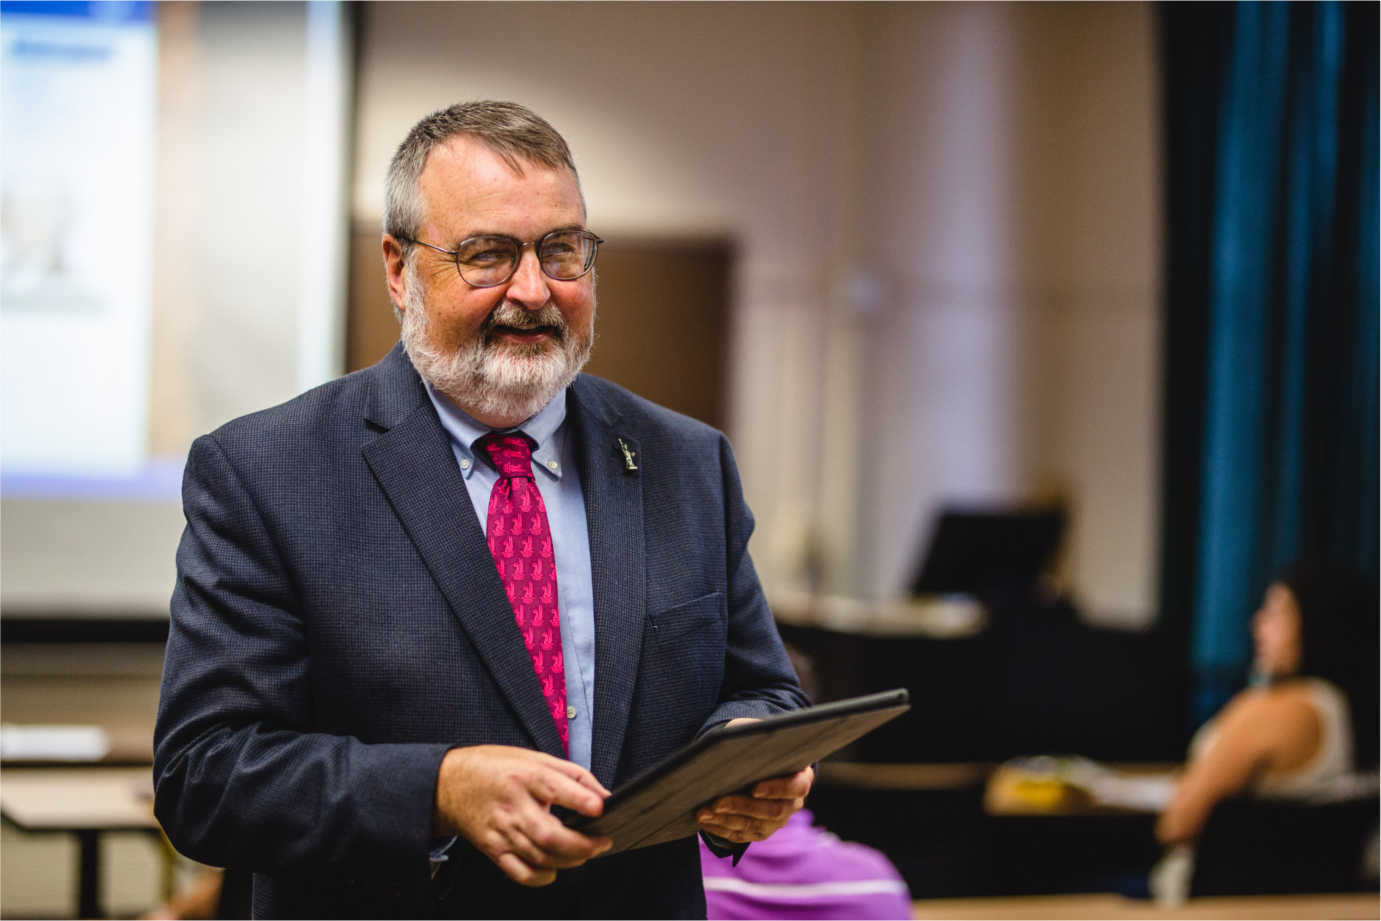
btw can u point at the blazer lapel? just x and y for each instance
(614, 516)
(416, 468)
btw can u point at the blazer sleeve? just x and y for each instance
(758, 677)
(241, 779)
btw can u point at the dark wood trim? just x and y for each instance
(48, 628)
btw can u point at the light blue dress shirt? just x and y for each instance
(553, 461)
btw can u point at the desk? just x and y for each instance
(86, 802)
(127, 743)
(878, 776)
(1048, 835)
(993, 683)
(1107, 905)
(1118, 788)
(938, 617)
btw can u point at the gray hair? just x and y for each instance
(514, 132)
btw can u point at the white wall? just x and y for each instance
(948, 221)
(1016, 190)
(250, 218)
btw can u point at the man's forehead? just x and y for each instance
(464, 151)
(463, 173)
(469, 162)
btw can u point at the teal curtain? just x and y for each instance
(1271, 311)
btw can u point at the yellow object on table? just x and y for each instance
(1014, 791)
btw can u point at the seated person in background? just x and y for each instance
(803, 871)
(1310, 719)
(1306, 725)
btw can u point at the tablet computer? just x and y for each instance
(659, 804)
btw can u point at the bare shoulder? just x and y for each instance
(1280, 722)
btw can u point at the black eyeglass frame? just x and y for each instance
(593, 238)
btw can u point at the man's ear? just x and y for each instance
(395, 264)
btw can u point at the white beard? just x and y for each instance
(495, 380)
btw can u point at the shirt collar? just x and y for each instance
(547, 428)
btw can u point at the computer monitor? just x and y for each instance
(979, 551)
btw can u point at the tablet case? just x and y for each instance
(660, 803)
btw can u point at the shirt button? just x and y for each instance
(465, 464)
(552, 465)
(570, 713)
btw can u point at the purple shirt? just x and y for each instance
(804, 872)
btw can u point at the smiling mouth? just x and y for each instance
(525, 333)
(539, 328)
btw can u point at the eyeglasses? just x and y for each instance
(489, 260)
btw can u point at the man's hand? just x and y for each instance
(499, 798)
(765, 809)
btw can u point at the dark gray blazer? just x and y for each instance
(338, 625)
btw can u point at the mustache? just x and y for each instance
(511, 316)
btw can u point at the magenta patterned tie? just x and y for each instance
(520, 540)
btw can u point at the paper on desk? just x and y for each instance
(1105, 786)
(1146, 794)
(36, 742)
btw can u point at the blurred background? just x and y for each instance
(1097, 280)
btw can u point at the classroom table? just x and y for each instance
(1011, 790)
(892, 776)
(1112, 906)
(87, 802)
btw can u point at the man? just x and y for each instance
(423, 606)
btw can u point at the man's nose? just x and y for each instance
(528, 287)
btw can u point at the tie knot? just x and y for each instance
(511, 453)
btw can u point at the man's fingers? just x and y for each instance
(554, 786)
(543, 843)
(759, 815)
(522, 874)
(753, 807)
(587, 780)
(539, 852)
(573, 771)
(723, 831)
(795, 786)
(563, 847)
(522, 847)
(732, 821)
(738, 829)
(500, 798)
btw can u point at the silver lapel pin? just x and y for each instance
(628, 464)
